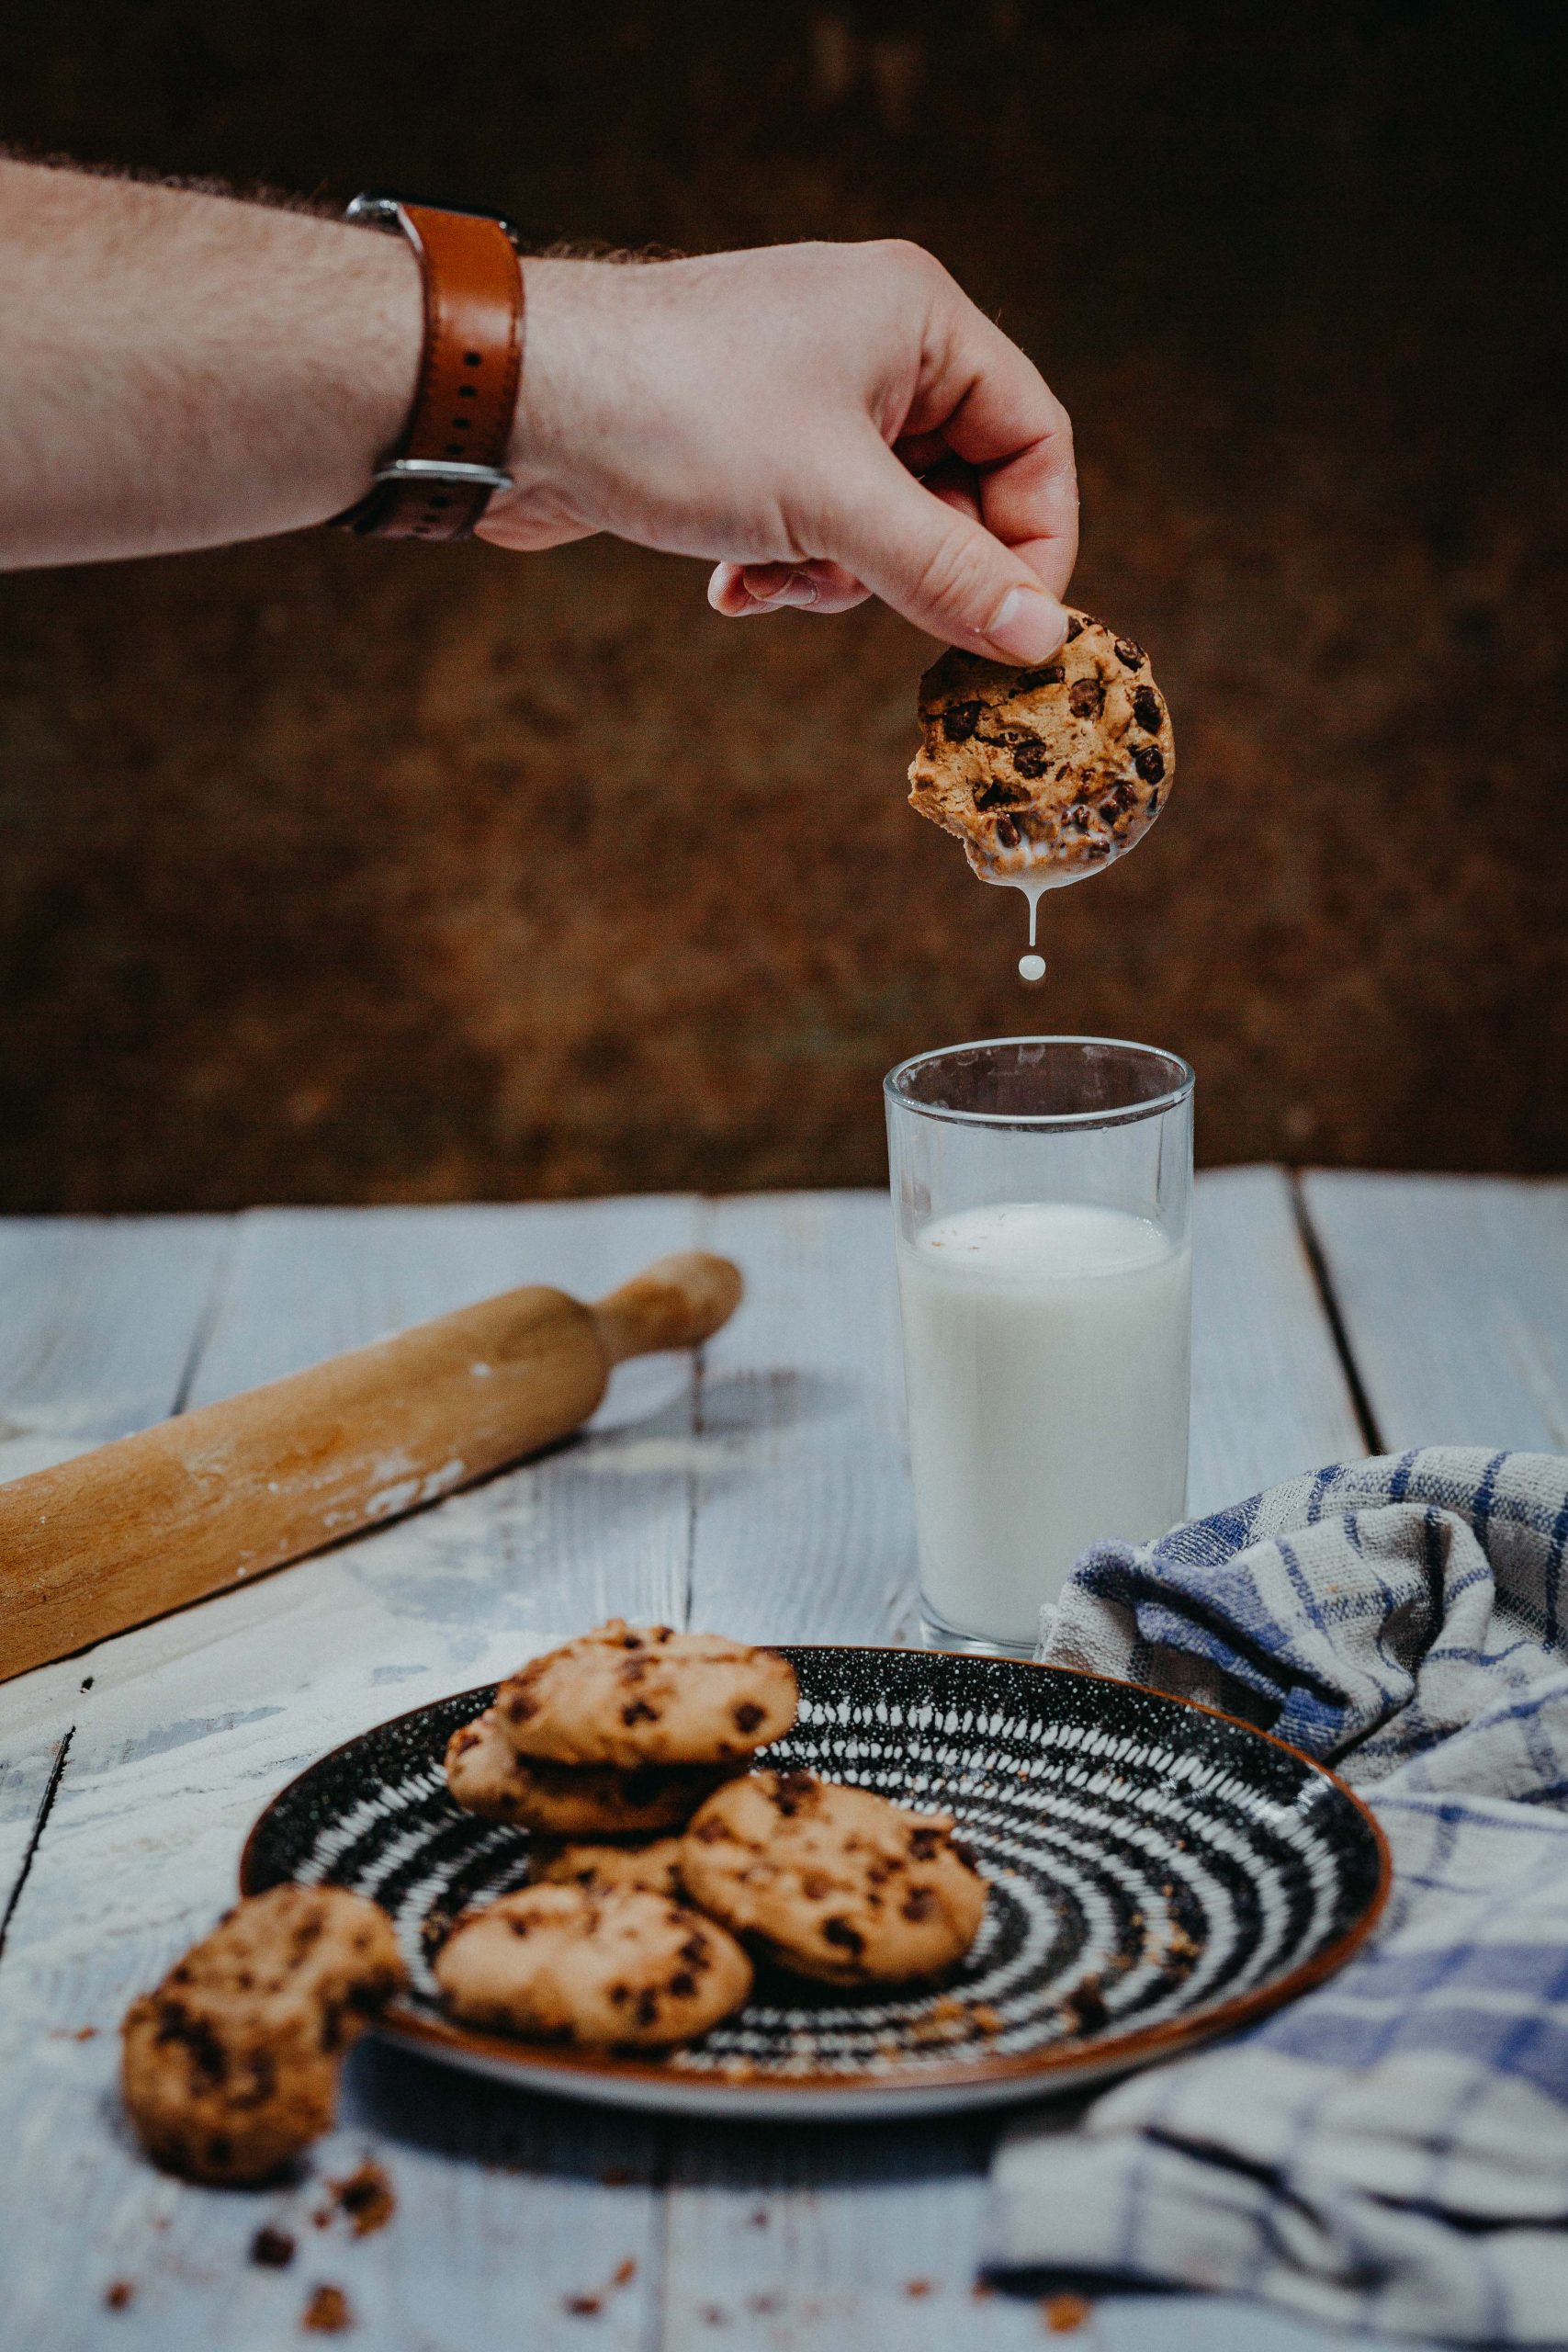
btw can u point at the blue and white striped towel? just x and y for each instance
(1391, 2151)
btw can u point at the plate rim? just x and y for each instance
(1114, 2053)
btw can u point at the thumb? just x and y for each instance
(940, 567)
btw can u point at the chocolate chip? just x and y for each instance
(838, 1930)
(814, 1884)
(631, 1641)
(1085, 698)
(1154, 803)
(519, 1707)
(1085, 2005)
(1032, 759)
(1110, 811)
(695, 1950)
(1125, 795)
(1007, 832)
(1076, 628)
(637, 1711)
(647, 2005)
(1027, 680)
(518, 1927)
(923, 1844)
(1131, 656)
(709, 1833)
(1147, 710)
(919, 1904)
(995, 795)
(747, 1715)
(683, 1983)
(620, 1994)
(1149, 760)
(792, 1789)
(960, 719)
(272, 2249)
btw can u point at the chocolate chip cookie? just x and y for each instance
(623, 1966)
(832, 1881)
(652, 1862)
(230, 2067)
(1051, 772)
(626, 1695)
(487, 1776)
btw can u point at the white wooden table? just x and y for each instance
(762, 1491)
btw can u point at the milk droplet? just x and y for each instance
(1032, 967)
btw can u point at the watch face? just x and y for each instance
(381, 208)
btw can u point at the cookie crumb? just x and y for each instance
(86, 2033)
(917, 2288)
(271, 2249)
(367, 2198)
(583, 2306)
(624, 2272)
(1065, 2314)
(117, 2295)
(327, 2312)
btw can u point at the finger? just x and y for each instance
(938, 566)
(740, 590)
(994, 409)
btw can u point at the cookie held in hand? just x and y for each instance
(621, 1967)
(487, 1776)
(832, 1881)
(229, 2068)
(1048, 773)
(627, 1695)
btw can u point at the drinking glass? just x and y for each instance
(1042, 1202)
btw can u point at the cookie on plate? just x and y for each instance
(623, 1966)
(230, 2066)
(629, 1695)
(1050, 772)
(832, 1881)
(487, 1776)
(650, 1863)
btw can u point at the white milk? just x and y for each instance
(1047, 1352)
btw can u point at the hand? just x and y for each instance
(823, 421)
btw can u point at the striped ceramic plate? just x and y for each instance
(1159, 1873)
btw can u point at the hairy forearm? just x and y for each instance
(177, 370)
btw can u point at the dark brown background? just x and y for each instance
(334, 872)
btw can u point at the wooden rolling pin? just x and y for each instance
(196, 1504)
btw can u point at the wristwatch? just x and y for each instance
(451, 459)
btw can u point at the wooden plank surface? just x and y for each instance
(100, 1321)
(191, 1725)
(1454, 1296)
(1270, 1394)
(769, 1496)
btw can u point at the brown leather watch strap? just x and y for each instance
(452, 458)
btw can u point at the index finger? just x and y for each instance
(989, 404)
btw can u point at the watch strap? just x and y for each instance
(452, 458)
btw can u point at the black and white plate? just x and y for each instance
(1159, 1873)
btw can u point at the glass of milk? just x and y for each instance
(1042, 1200)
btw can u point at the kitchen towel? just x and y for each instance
(1390, 2152)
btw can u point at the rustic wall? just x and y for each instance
(336, 872)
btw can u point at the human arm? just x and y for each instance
(181, 369)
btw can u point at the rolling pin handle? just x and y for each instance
(678, 1302)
